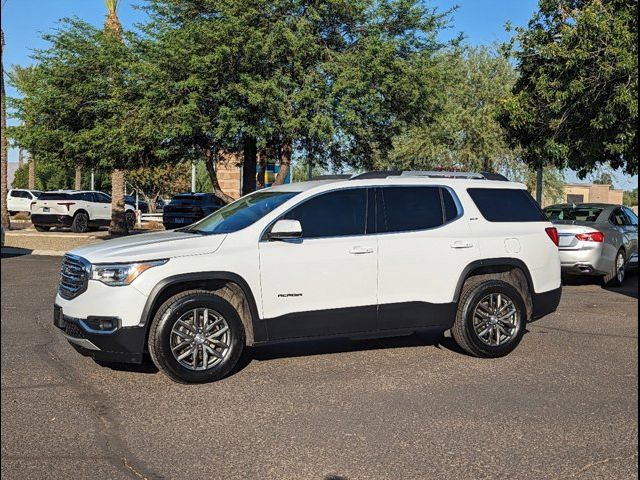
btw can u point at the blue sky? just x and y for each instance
(23, 21)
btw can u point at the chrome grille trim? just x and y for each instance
(74, 276)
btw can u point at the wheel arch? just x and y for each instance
(504, 268)
(82, 210)
(255, 331)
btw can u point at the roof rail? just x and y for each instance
(431, 174)
(345, 176)
(380, 174)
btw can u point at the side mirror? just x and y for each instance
(285, 230)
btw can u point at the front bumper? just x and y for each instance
(51, 220)
(122, 344)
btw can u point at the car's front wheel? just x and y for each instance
(196, 336)
(130, 218)
(491, 318)
(618, 273)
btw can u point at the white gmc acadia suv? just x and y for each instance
(378, 254)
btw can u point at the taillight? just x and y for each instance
(67, 204)
(591, 237)
(553, 235)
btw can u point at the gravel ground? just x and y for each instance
(562, 406)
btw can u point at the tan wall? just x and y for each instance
(594, 193)
(230, 174)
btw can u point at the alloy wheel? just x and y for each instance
(200, 339)
(620, 270)
(496, 319)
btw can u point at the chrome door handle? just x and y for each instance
(358, 250)
(460, 244)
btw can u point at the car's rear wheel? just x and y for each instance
(196, 336)
(80, 223)
(42, 228)
(491, 318)
(618, 273)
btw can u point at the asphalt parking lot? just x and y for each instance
(562, 406)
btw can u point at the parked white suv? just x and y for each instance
(79, 210)
(380, 254)
(20, 199)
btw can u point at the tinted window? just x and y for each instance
(450, 208)
(506, 205)
(102, 198)
(632, 217)
(571, 214)
(54, 196)
(334, 214)
(241, 213)
(20, 194)
(410, 208)
(618, 218)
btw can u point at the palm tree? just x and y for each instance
(118, 224)
(4, 213)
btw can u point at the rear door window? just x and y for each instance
(506, 205)
(339, 213)
(406, 209)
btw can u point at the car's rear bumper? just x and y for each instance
(122, 344)
(546, 302)
(585, 261)
(51, 220)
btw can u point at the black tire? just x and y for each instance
(80, 223)
(221, 301)
(130, 218)
(616, 278)
(12, 213)
(463, 331)
(42, 228)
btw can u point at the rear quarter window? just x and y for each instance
(506, 205)
(54, 196)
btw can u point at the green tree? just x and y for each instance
(163, 180)
(334, 80)
(466, 134)
(630, 197)
(50, 176)
(575, 102)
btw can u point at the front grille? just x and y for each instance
(74, 276)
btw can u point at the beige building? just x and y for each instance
(591, 193)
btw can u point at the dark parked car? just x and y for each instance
(187, 208)
(142, 205)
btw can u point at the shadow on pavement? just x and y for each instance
(628, 289)
(341, 345)
(10, 252)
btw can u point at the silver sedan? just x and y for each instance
(596, 239)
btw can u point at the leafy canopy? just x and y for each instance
(576, 100)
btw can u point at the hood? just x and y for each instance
(150, 246)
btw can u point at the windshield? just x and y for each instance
(573, 214)
(241, 213)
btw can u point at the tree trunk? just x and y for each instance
(32, 172)
(210, 161)
(4, 213)
(539, 185)
(78, 179)
(262, 163)
(285, 162)
(118, 219)
(249, 165)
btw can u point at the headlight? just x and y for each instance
(120, 274)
